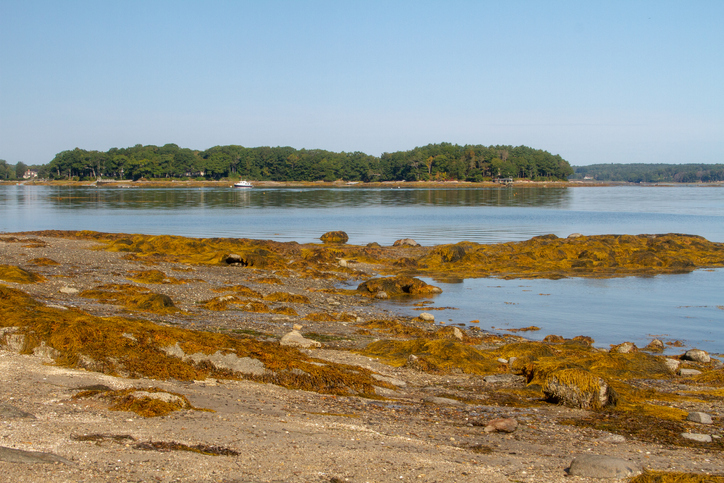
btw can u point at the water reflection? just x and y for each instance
(314, 198)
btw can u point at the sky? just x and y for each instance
(594, 81)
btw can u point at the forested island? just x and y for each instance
(434, 162)
(651, 173)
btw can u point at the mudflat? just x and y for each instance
(132, 358)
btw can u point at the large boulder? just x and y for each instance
(396, 286)
(697, 355)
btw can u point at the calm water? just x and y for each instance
(683, 307)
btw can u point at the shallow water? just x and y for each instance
(675, 307)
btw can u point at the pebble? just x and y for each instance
(699, 417)
(427, 317)
(68, 290)
(602, 466)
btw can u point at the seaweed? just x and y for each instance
(11, 273)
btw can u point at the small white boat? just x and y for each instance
(242, 184)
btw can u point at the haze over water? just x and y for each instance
(688, 307)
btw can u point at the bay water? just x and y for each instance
(685, 307)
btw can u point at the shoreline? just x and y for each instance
(351, 185)
(432, 414)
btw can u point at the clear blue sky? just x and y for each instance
(596, 82)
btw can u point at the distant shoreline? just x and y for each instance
(345, 184)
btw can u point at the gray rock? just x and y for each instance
(697, 355)
(575, 235)
(602, 466)
(701, 438)
(458, 333)
(384, 392)
(699, 417)
(244, 365)
(391, 380)
(296, 339)
(406, 242)
(11, 455)
(672, 364)
(625, 348)
(689, 372)
(612, 438)
(656, 345)
(427, 317)
(442, 400)
(501, 425)
(8, 411)
(382, 295)
(503, 378)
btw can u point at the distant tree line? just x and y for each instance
(652, 173)
(442, 161)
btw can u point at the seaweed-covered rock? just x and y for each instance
(395, 286)
(334, 237)
(579, 389)
(405, 242)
